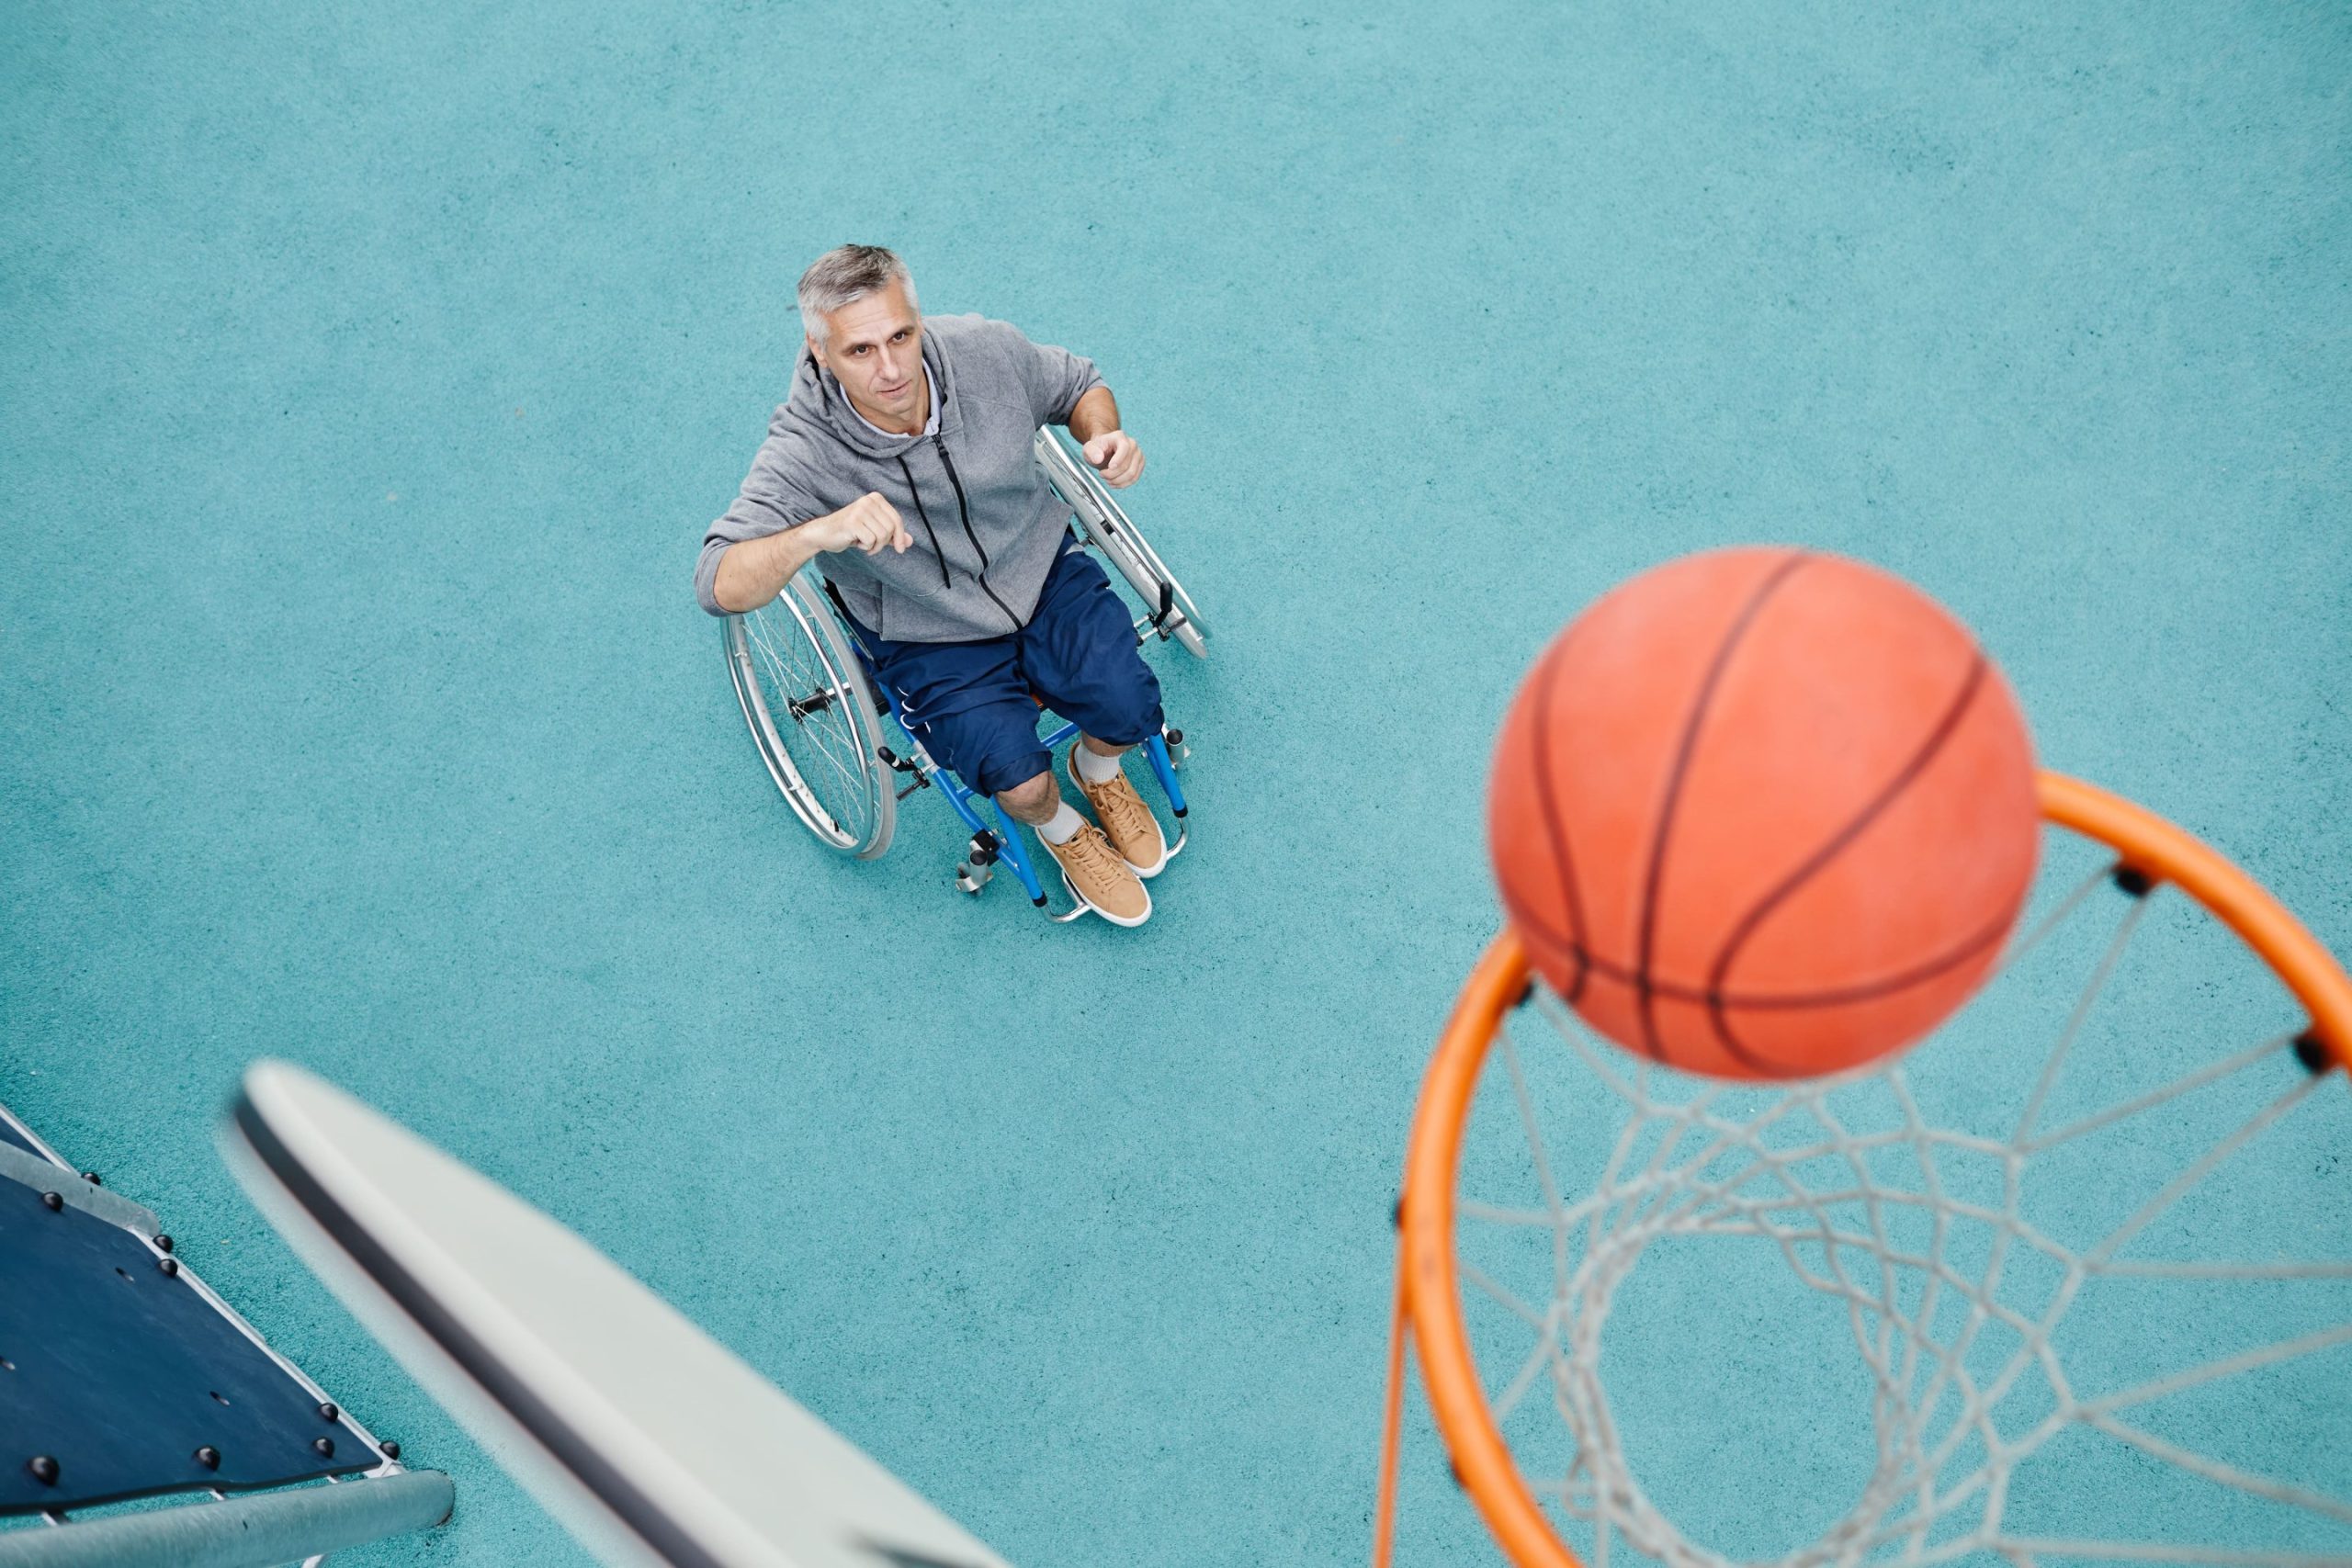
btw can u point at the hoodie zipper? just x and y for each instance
(964, 512)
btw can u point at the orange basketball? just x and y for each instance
(1764, 813)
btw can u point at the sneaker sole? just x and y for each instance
(1146, 873)
(1129, 921)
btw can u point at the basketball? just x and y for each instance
(1764, 813)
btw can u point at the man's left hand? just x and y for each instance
(1115, 452)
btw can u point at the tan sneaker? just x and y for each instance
(1096, 874)
(1126, 821)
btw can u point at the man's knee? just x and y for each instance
(1031, 799)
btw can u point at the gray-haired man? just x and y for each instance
(903, 453)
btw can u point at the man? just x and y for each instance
(902, 456)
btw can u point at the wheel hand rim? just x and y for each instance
(835, 800)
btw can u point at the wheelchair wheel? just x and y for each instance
(813, 718)
(1108, 528)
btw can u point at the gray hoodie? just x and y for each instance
(985, 527)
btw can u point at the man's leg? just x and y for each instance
(970, 703)
(1038, 802)
(1078, 653)
(992, 746)
(1095, 760)
(1098, 873)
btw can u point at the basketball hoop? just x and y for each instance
(1921, 1267)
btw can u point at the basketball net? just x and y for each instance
(1957, 1292)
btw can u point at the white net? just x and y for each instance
(2089, 1323)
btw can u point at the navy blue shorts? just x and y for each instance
(969, 701)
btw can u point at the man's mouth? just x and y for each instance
(893, 391)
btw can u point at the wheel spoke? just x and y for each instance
(815, 736)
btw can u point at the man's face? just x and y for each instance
(874, 348)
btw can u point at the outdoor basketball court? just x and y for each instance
(369, 381)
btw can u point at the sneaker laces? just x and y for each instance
(1119, 801)
(1090, 850)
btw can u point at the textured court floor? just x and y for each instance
(366, 379)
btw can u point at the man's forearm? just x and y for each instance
(754, 572)
(1097, 413)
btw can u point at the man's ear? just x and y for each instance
(809, 341)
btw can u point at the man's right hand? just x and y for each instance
(869, 524)
(753, 573)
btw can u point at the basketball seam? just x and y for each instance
(1783, 1001)
(1547, 799)
(1814, 864)
(1647, 923)
(1575, 947)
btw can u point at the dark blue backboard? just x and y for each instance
(119, 1372)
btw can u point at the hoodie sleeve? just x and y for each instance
(1056, 377)
(769, 502)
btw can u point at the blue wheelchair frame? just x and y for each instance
(1001, 840)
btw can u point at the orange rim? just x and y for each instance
(1428, 1295)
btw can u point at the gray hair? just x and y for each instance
(845, 274)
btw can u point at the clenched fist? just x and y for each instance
(1115, 453)
(869, 524)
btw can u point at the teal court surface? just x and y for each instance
(366, 381)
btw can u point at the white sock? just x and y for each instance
(1094, 767)
(1062, 825)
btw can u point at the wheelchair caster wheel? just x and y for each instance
(971, 878)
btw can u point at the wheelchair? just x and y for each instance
(808, 695)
